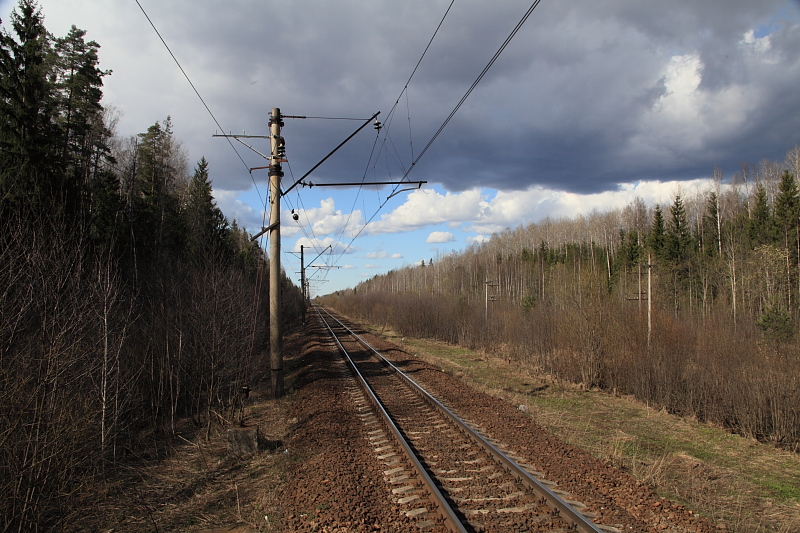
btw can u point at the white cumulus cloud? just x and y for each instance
(440, 237)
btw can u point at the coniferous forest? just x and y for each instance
(692, 306)
(127, 300)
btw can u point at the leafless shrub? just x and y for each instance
(47, 421)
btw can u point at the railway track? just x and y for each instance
(444, 473)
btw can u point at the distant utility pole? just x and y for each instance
(649, 297)
(303, 280)
(277, 145)
(303, 283)
(489, 284)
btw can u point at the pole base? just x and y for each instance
(277, 383)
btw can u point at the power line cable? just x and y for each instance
(410, 138)
(390, 115)
(477, 81)
(480, 77)
(427, 47)
(185, 75)
(389, 120)
(366, 171)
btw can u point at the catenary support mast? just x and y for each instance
(276, 157)
(303, 283)
(275, 329)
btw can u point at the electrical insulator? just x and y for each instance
(378, 125)
(280, 145)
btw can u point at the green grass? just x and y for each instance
(783, 490)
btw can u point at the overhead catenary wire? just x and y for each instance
(390, 115)
(477, 81)
(389, 120)
(185, 75)
(463, 99)
(350, 214)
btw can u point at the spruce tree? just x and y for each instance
(657, 239)
(759, 225)
(157, 218)
(27, 109)
(679, 239)
(206, 226)
(787, 206)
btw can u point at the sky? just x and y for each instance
(590, 105)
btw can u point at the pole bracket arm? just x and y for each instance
(264, 230)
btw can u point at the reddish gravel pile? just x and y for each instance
(339, 484)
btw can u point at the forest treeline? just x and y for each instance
(127, 300)
(692, 306)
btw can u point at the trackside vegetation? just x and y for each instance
(692, 306)
(127, 300)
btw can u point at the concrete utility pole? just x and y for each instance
(303, 283)
(275, 330)
(276, 157)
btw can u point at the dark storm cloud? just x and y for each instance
(588, 95)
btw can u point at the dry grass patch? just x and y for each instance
(201, 487)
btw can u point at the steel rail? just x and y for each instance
(437, 499)
(555, 502)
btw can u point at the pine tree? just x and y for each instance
(78, 83)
